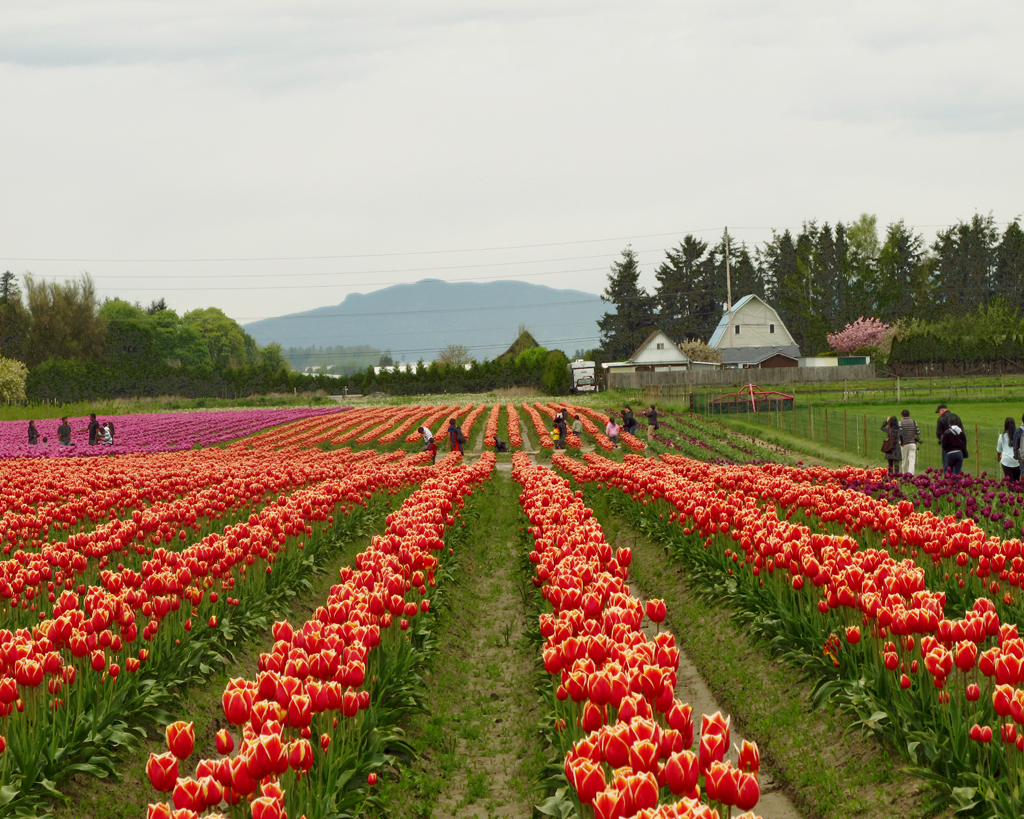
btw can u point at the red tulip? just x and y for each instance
(749, 760)
(267, 807)
(965, 655)
(748, 791)
(161, 810)
(852, 635)
(656, 611)
(237, 706)
(712, 749)
(720, 783)
(681, 772)
(181, 739)
(162, 770)
(643, 790)
(225, 742)
(371, 779)
(188, 795)
(300, 757)
(608, 804)
(1001, 699)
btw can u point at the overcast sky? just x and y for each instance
(143, 141)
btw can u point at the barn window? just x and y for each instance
(771, 328)
(661, 345)
(737, 329)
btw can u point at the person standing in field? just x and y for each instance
(628, 420)
(64, 432)
(891, 447)
(33, 433)
(431, 448)
(428, 437)
(1005, 451)
(946, 420)
(611, 429)
(563, 429)
(911, 438)
(954, 448)
(577, 427)
(453, 444)
(652, 423)
(93, 429)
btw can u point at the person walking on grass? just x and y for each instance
(892, 445)
(1005, 451)
(946, 420)
(577, 426)
(911, 438)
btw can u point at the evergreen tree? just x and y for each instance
(625, 329)
(9, 290)
(1009, 276)
(13, 320)
(862, 235)
(686, 296)
(903, 285)
(966, 263)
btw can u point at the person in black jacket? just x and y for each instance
(954, 448)
(946, 420)
(894, 439)
(628, 420)
(33, 433)
(652, 422)
(563, 430)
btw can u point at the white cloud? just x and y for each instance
(142, 130)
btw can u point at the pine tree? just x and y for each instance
(685, 298)
(1009, 276)
(625, 329)
(902, 276)
(966, 263)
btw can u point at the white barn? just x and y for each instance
(758, 338)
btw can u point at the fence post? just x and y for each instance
(977, 458)
(810, 423)
(826, 426)
(845, 448)
(865, 435)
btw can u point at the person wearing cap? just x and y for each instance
(911, 437)
(946, 420)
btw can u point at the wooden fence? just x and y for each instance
(725, 378)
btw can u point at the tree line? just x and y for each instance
(819, 280)
(78, 348)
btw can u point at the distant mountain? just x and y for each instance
(415, 321)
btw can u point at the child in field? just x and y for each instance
(432, 449)
(611, 429)
(555, 436)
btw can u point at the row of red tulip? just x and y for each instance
(227, 484)
(92, 636)
(515, 437)
(439, 414)
(491, 429)
(627, 739)
(834, 583)
(539, 426)
(405, 417)
(467, 424)
(318, 680)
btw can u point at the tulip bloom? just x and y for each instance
(656, 611)
(181, 739)
(162, 770)
(225, 742)
(681, 772)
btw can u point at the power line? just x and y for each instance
(355, 255)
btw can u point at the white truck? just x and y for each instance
(581, 377)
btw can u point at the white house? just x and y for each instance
(757, 338)
(659, 354)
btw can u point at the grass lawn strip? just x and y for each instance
(827, 771)
(478, 750)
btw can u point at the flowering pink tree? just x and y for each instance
(863, 333)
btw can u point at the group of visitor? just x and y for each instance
(629, 424)
(99, 433)
(902, 437)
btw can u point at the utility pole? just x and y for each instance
(728, 286)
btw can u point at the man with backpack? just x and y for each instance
(946, 420)
(911, 438)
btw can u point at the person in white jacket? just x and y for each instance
(1004, 450)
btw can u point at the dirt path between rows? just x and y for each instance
(479, 753)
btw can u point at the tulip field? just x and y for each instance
(132, 578)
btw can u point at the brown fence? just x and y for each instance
(725, 378)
